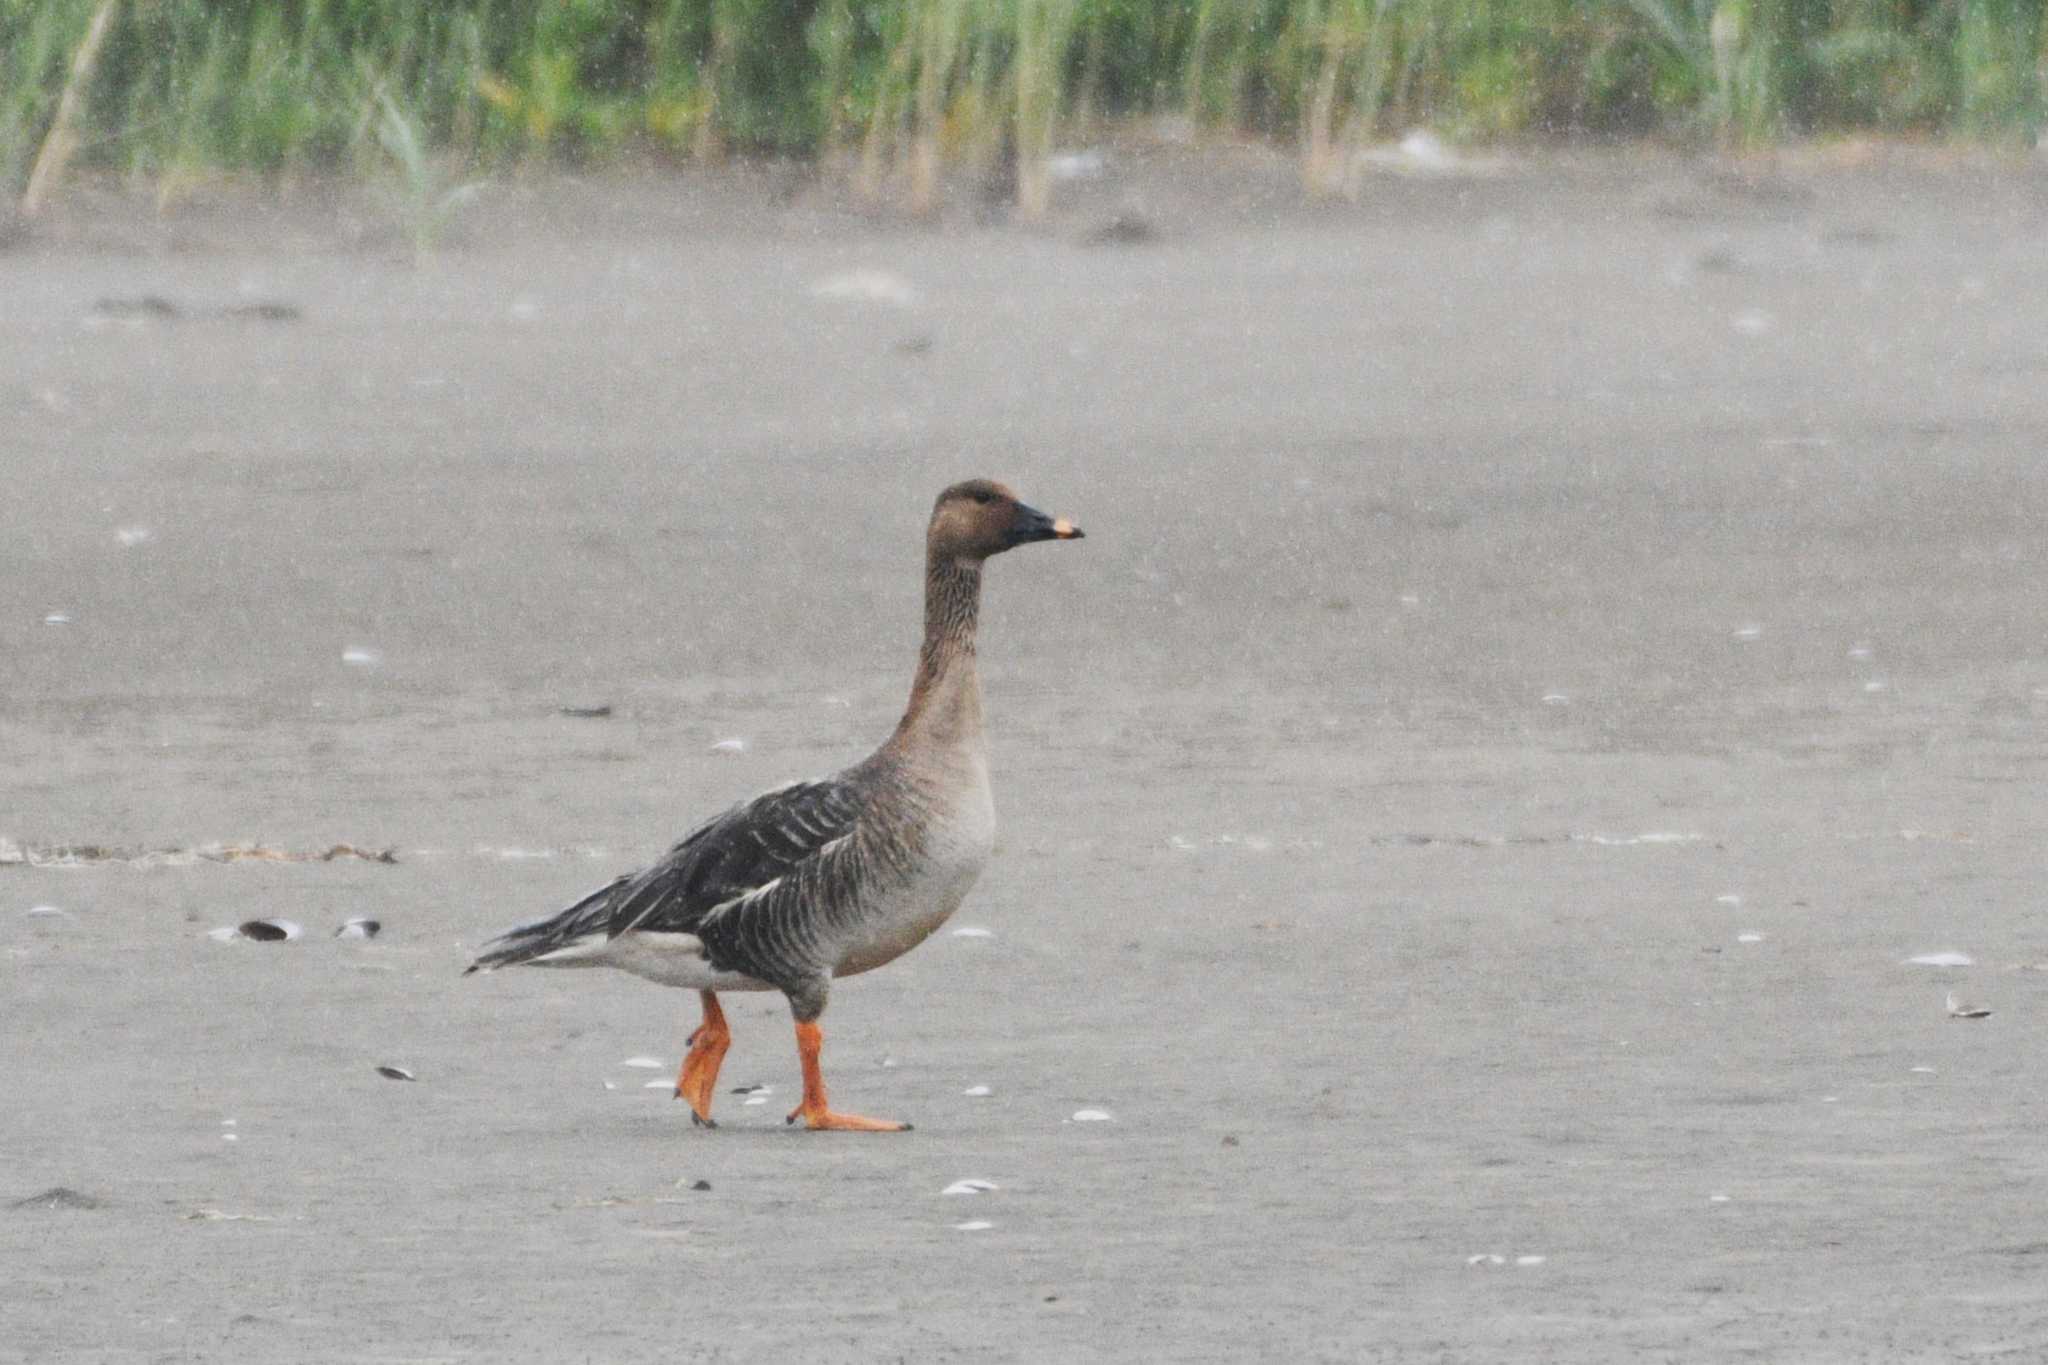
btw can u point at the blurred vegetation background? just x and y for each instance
(897, 90)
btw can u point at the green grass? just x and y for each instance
(900, 89)
(423, 196)
(36, 41)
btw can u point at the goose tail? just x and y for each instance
(560, 939)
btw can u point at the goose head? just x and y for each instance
(980, 517)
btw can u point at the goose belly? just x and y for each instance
(898, 918)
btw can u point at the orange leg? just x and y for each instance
(699, 1076)
(813, 1111)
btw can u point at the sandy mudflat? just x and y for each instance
(1547, 650)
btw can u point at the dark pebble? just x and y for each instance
(267, 311)
(59, 1197)
(1125, 229)
(142, 306)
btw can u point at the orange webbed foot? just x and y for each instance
(822, 1120)
(816, 1114)
(698, 1080)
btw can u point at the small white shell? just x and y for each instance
(1091, 1116)
(1085, 164)
(360, 927)
(977, 1091)
(645, 1063)
(729, 746)
(973, 931)
(867, 286)
(1948, 957)
(978, 1225)
(971, 1187)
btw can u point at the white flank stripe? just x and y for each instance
(723, 906)
(590, 945)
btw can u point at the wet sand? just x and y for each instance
(1548, 649)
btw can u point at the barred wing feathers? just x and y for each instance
(739, 853)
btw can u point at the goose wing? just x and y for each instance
(739, 852)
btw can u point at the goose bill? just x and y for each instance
(1031, 524)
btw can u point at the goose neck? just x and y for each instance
(945, 699)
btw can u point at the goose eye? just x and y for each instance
(983, 496)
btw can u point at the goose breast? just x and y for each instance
(951, 846)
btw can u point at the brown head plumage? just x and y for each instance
(980, 517)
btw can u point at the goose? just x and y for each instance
(816, 880)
